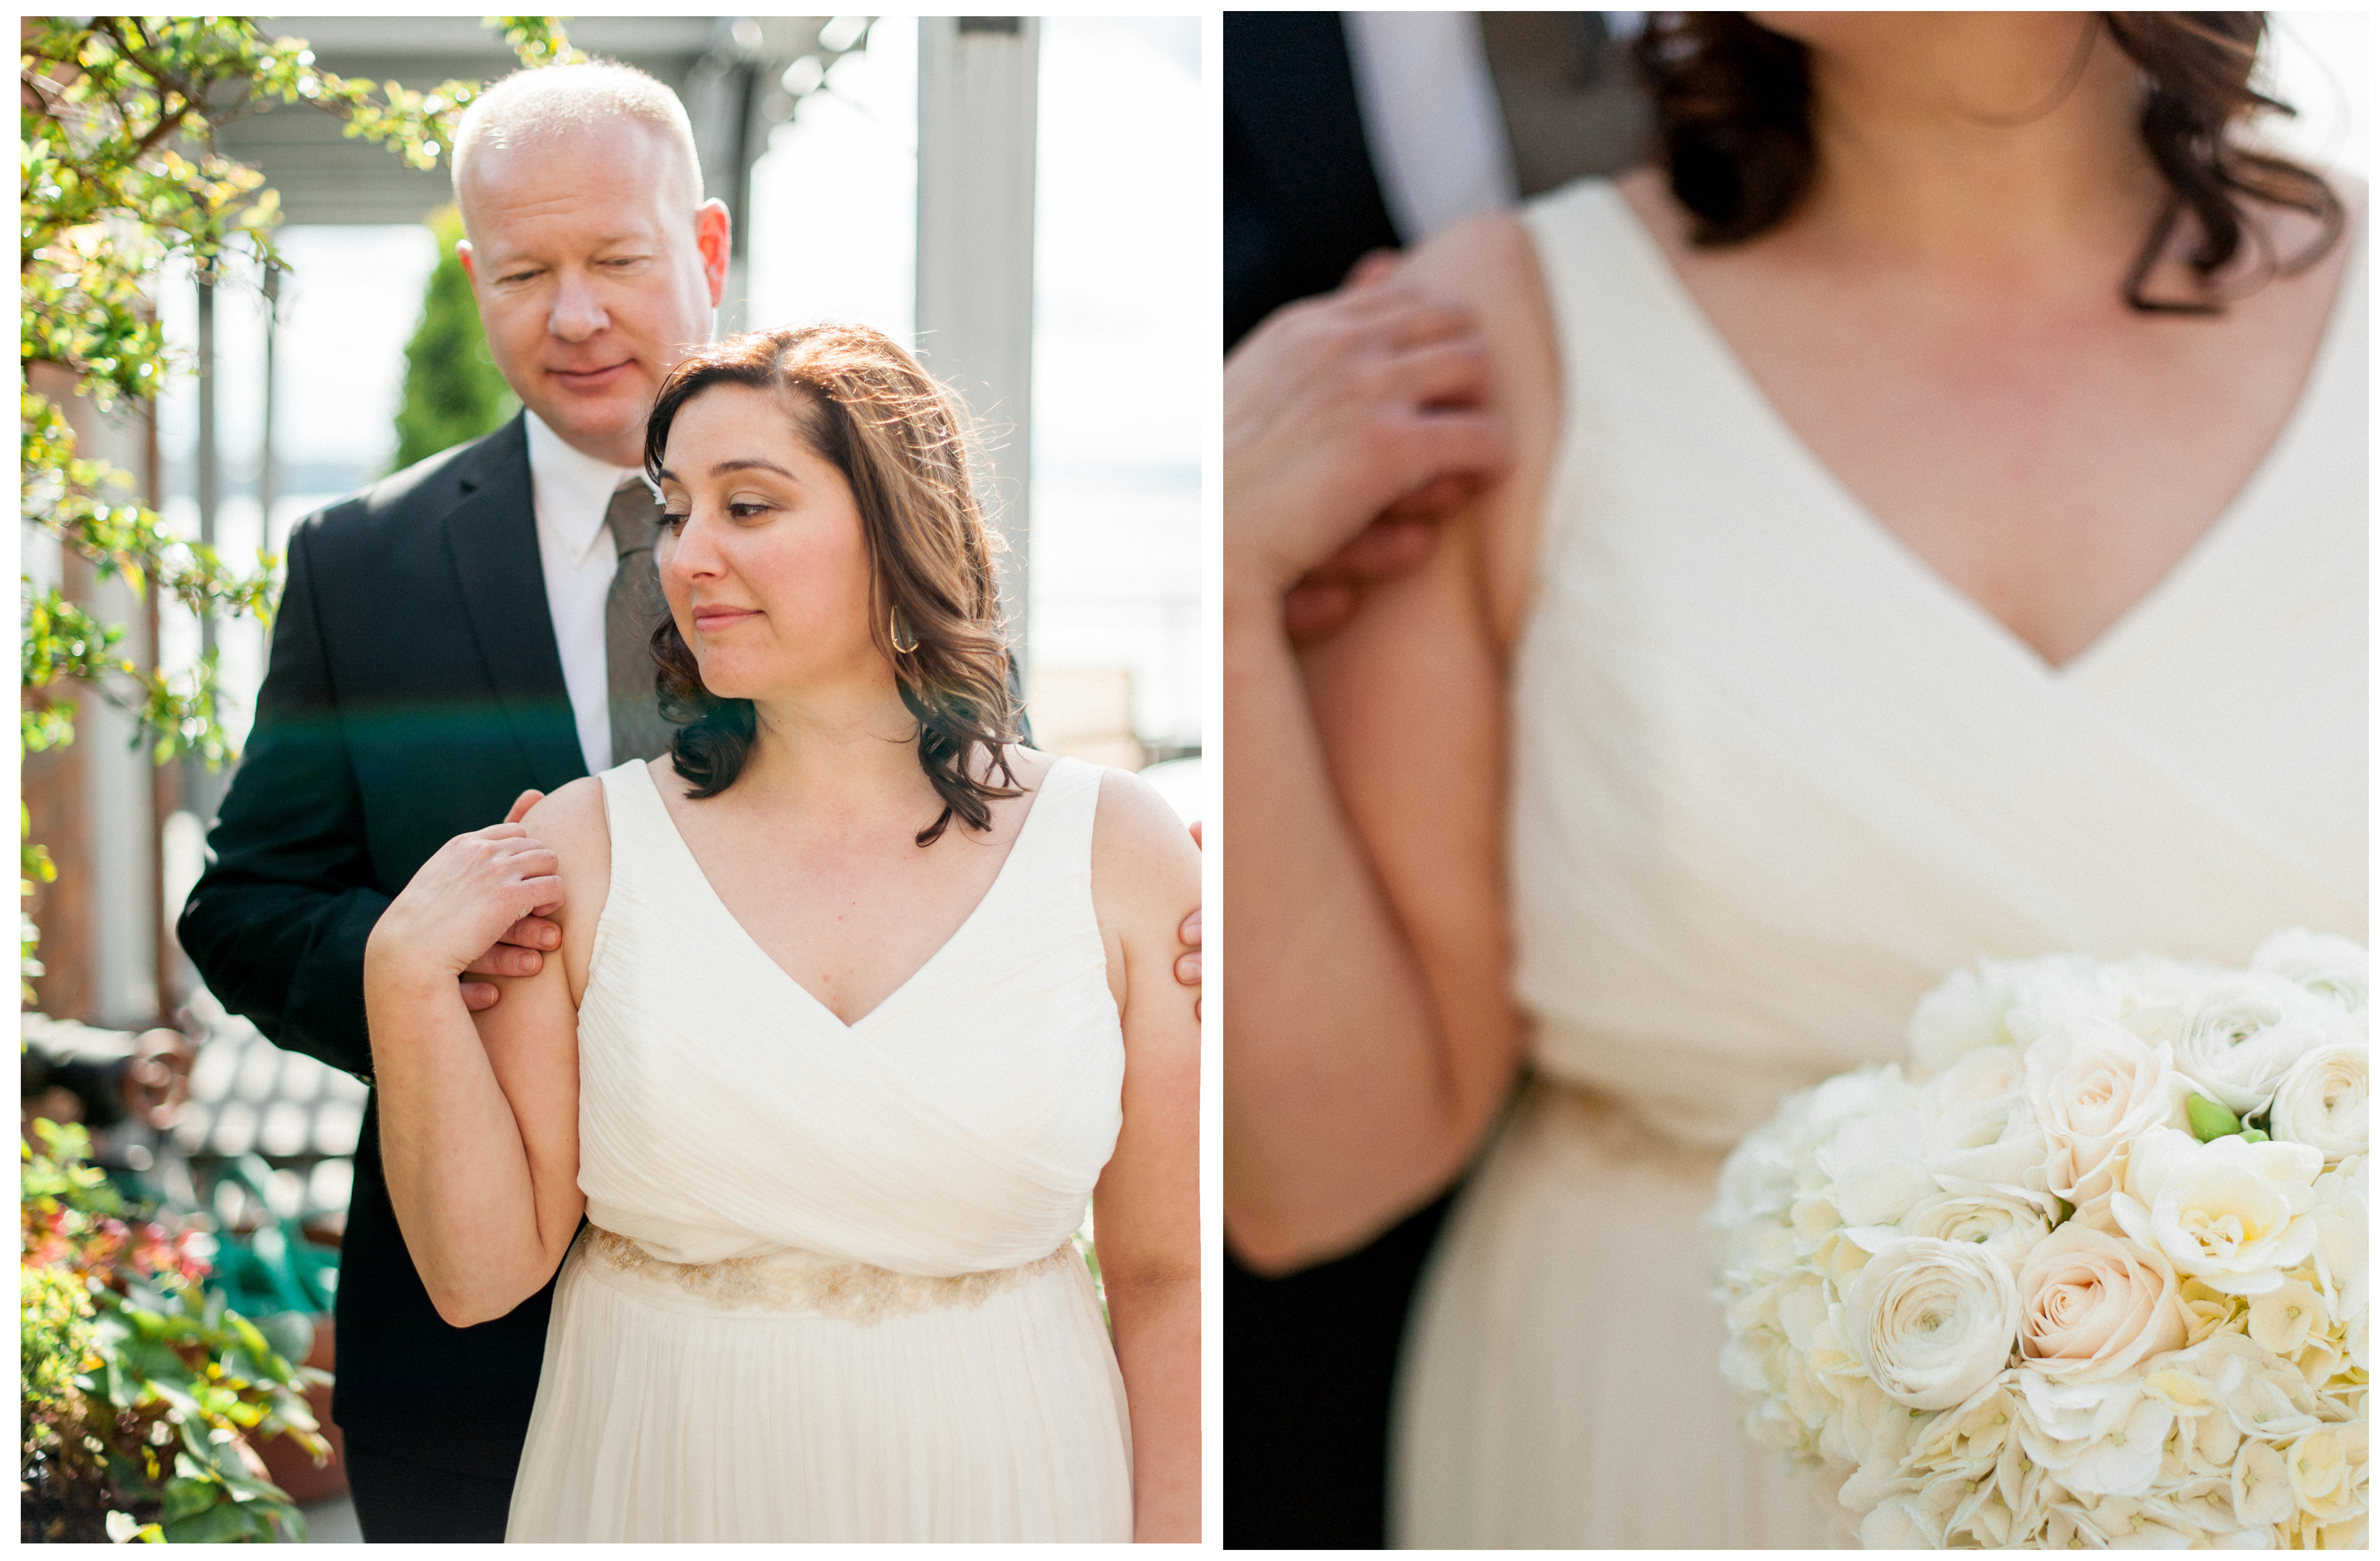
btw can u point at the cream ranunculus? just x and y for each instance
(2093, 1306)
(2234, 1215)
(2239, 1039)
(2334, 967)
(2094, 1087)
(2325, 1101)
(2009, 1225)
(1932, 1320)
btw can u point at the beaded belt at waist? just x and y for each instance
(809, 1282)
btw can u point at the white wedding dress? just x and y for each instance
(1772, 780)
(826, 1290)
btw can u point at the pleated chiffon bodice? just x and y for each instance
(959, 1125)
(1773, 778)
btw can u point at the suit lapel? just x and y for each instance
(492, 536)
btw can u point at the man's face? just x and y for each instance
(593, 275)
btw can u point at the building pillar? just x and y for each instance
(977, 108)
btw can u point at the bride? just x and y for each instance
(1924, 519)
(859, 1002)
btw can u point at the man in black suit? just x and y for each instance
(440, 650)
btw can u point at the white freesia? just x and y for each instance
(2325, 1101)
(1932, 1321)
(2334, 967)
(2094, 1087)
(2234, 1215)
(2238, 1040)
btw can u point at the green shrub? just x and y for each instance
(452, 390)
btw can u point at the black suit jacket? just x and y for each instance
(414, 691)
(1301, 203)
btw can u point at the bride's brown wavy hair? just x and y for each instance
(1731, 104)
(860, 402)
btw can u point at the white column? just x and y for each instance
(977, 80)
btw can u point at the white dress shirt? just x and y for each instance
(570, 491)
(1431, 119)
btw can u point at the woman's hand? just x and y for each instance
(1336, 409)
(464, 899)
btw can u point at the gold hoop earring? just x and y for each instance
(904, 641)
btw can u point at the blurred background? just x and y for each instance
(1018, 198)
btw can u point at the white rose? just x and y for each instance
(2094, 1087)
(2233, 1214)
(2091, 1306)
(2003, 1003)
(2325, 1101)
(1981, 1134)
(1932, 1320)
(2238, 1040)
(1876, 1156)
(2334, 967)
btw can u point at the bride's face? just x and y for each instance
(762, 558)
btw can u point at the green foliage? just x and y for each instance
(118, 179)
(452, 389)
(141, 1390)
(56, 1341)
(33, 866)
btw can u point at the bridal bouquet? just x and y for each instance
(2093, 1273)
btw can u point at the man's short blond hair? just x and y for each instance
(554, 102)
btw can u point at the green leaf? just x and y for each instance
(187, 1498)
(226, 1520)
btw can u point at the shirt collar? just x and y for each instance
(573, 489)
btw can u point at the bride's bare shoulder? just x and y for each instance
(571, 816)
(1490, 264)
(573, 823)
(1486, 262)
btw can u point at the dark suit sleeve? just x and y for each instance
(277, 924)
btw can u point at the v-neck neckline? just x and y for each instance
(998, 879)
(1880, 538)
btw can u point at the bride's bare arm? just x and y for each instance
(1369, 1035)
(1144, 880)
(479, 1114)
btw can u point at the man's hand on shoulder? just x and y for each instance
(1354, 422)
(522, 949)
(1188, 970)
